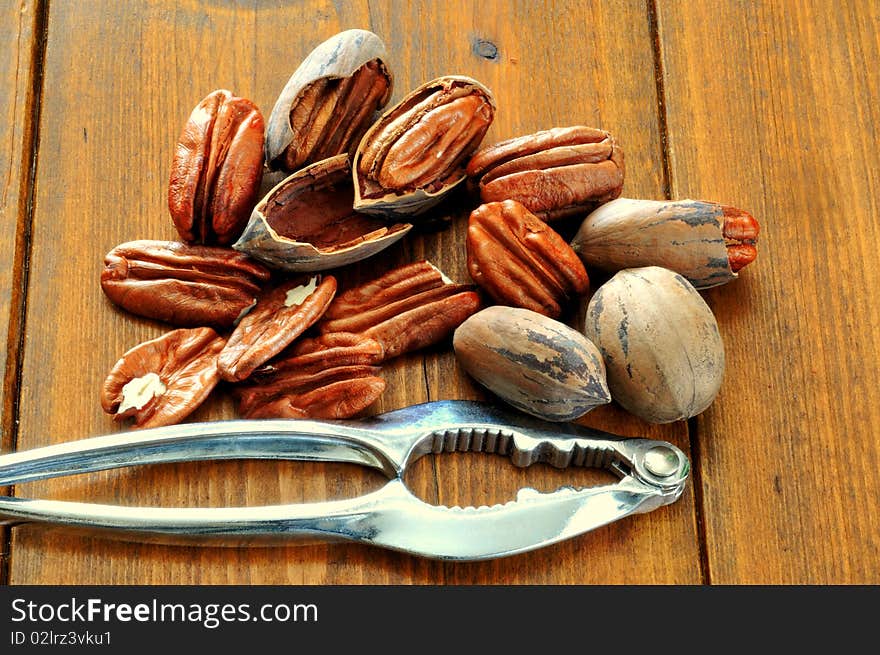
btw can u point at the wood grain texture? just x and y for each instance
(110, 121)
(18, 39)
(772, 107)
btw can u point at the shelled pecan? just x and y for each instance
(331, 376)
(554, 173)
(405, 309)
(521, 261)
(705, 242)
(329, 101)
(162, 381)
(217, 168)
(187, 286)
(416, 152)
(279, 317)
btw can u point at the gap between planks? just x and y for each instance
(21, 260)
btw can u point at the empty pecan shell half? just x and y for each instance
(329, 101)
(307, 223)
(279, 317)
(705, 242)
(332, 376)
(217, 168)
(408, 308)
(162, 381)
(416, 152)
(521, 261)
(554, 173)
(183, 285)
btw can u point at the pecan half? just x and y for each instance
(279, 317)
(554, 173)
(332, 376)
(415, 153)
(183, 285)
(162, 381)
(521, 261)
(406, 309)
(329, 101)
(217, 169)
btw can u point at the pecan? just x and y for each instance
(519, 260)
(160, 382)
(217, 169)
(331, 376)
(306, 222)
(329, 101)
(279, 317)
(406, 309)
(554, 173)
(416, 152)
(705, 242)
(183, 285)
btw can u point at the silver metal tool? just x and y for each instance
(652, 474)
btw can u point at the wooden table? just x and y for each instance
(771, 107)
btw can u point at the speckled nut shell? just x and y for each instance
(662, 349)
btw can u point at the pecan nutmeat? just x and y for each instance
(162, 381)
(406, 309)
(417, 150)
(279, 317)
(217, 169)
(187, 286)
(521, 261)
(555, 173)
(331, 376)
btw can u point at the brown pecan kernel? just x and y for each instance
(332, 114)
(553, 173)
(521, 261)
(217, 169)
(160, 382)
(183, 285)
(332, 376)
(740, 230)
(279, 317)
(408, 308)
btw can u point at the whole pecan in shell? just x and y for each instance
(521, 261)
(554, 173)
(183, 285)
(331, 376)
(279, 317)
(329, 101)
(408, 308)
(162, 381)
(416, 152)
(705, 242)
(217, 169)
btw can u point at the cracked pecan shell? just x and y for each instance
(331, 376)
(279, 317)
(217, 169)
(329, 101)
(416, 152)
(554, 173)
(408, 308)
(521, 261)
(162, 381)
(705, 242)
(183, 285)
(307, 223)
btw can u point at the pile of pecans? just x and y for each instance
(265, 210)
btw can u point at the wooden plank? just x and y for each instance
(773, 107)
(123, 108)
(17, 43)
